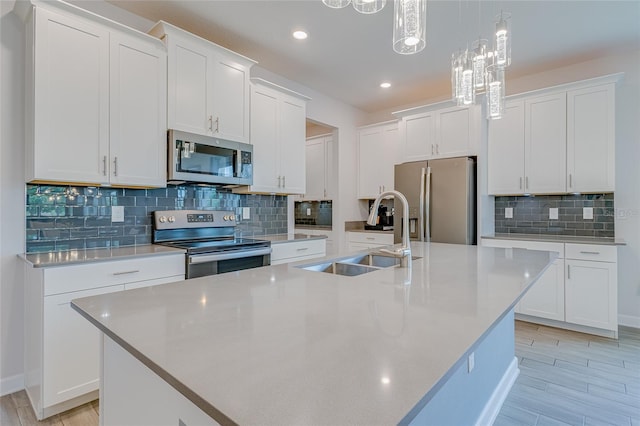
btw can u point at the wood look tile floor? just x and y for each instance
(566, 378)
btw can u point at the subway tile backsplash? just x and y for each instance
(313, 213)
(64, 218)
(531, 215)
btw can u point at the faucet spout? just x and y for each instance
(405, 250)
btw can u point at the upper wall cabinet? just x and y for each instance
(278, 126)
(428, 132)
(208, 85)
(95, 99)
(555, 142)
(377, 155)
(319, 168)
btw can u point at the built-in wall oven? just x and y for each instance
(208, 237)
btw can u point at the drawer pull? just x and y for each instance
(126, 272)
(303, 248)
(589, 252)
(568, 271)
(370, 238)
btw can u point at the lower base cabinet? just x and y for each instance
(295, 250)
(357, 241)
(546, 298)
(62, 349)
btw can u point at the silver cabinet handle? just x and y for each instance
(279, 181)
(135, 271)
(431, 149)
(211, 123)
(115, 166)
(104, 165)
(520, 182)
(284, 181)
(217, 130)
(526, 182)
(370, 238)
(302, 249)
(437, 149)
(569, 271)
(570, 180)
(590, 252)
(325, 193)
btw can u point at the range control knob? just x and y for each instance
(171, 219)
(232, 217)
(162, 219)
(225, 217)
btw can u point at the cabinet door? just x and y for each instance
(419, 137)
(230, 102)
(138, 110)
(71, 100)
(188, 89)
(591, 139)
(454, 130)
(545, 299)
(546, 144)
(315, 155)
(264, 137)
(291, 127)
(370, 157)
(591, 294)
(71, 353)
(506, 151)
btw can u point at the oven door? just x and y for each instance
(200, 265)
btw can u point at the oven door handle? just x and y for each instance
(239, 254)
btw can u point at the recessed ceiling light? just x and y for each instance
(300, 35)
(385, 85)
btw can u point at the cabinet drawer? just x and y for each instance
(370, 238)
(529, 245)
(93, 275)
(296, 249)
(596, 252)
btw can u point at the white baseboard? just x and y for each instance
(629, 321)
(492, 409)
(11, 384)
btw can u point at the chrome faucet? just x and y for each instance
(404, 251)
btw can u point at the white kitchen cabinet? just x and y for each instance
(329, 241)
(591, 286)
(295, 250)
(93, 87)
(506, 151)
(61, 347)
(591, 139)
(357, 241)
(319, 168)
(419, 136)
(208, 85)
(377, 153)
(278, 129)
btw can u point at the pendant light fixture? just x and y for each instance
(368, 6)
(502, 41)
(495, 92)
(479, 59)
(456, 77)
(409, 26)
(336, 4)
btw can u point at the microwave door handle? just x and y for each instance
(427, 205)
(239, 254)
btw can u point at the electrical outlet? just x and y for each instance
(117, 214)
(246, 213)
(471, 362)
(553, 213)
(508, 212)
(308, 212)
(587, 212)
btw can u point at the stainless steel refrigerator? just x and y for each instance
(442, 200)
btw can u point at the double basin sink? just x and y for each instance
(355, 265)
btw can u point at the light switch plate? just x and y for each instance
(117, 214)
(246, 213)
(587, 212)
(553, 213)
(508, 212)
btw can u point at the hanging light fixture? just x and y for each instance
(368, 6)
(502, 39)
(336, 4)
(479, 59)
(409, 26)
(456, 77)
(468, 92)
(495, 92)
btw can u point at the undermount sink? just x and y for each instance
(355, 265)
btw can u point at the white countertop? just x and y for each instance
(558, 239)
(70, 257)
(283, 345)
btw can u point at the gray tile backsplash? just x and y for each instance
(531, 215)
(64, 218)
(313, 213)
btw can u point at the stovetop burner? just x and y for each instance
(215, 245)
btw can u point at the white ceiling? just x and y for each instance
(348, 54)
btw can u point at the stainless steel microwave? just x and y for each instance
(206, 159)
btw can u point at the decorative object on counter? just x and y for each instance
(482, 70)
(66, 218)
(531, 215)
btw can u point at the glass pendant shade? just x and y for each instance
(368, 6)
(495, 92)
(336, 4)
(409, 26)
(456, 78)
(502, 40)
(479, 65)
(468, 93)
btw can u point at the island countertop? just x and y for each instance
(284, 345)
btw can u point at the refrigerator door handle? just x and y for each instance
(421, 228)
(427, 205)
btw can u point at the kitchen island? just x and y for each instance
(430, 344)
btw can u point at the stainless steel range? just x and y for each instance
(208, 236)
